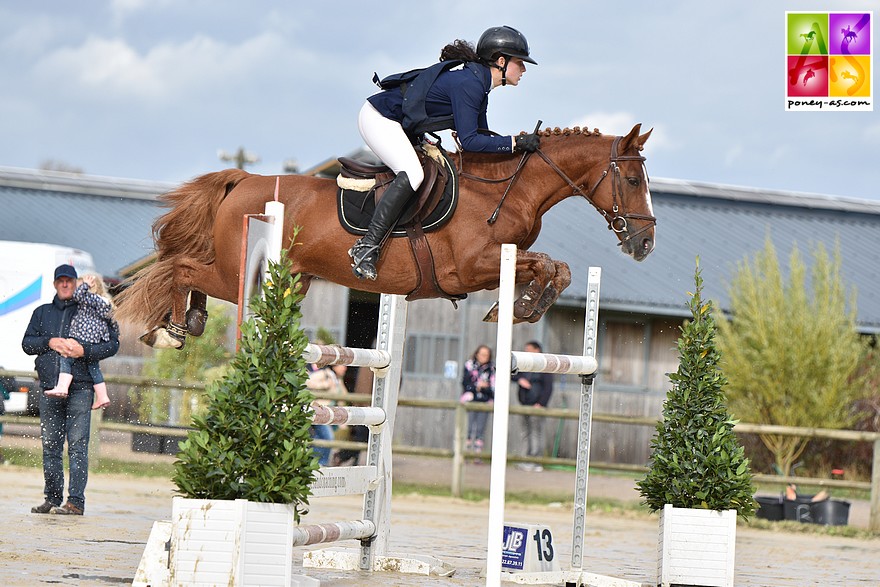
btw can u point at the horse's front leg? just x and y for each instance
(540, 269)
(561, 280)
(536, 270)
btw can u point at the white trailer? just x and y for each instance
(26, 281)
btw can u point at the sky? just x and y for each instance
(153, 89)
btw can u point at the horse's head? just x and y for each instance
(622, 196)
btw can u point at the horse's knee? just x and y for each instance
(562, 279)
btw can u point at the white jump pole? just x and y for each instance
(585, 422)
(500, 416)
(275, 209)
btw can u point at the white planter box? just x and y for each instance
(696, 547)
(234, 543)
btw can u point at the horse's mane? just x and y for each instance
(477, 158)
(564, 132)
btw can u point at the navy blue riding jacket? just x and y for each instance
(52, 320)
(463, 95)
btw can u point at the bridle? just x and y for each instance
(619, 217)
(617, 220)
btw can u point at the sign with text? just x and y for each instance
(828, 61)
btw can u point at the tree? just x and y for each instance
(253, 441)
(696, 458)
(791, 351)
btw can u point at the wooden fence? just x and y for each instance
(458, 454)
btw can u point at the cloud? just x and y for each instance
(111, 66)
(872, 134)
(30, 37)
(620, 123)
(733, 155)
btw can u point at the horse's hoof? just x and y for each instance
(196, 318)
(165, 340)
(149, 337)
(492, 315)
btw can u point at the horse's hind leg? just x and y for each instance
(188, 274)
(197, 314)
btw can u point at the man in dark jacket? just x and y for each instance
(64, 417)
(534, 391)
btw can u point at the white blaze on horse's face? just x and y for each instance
(638, 238)
(651, 212)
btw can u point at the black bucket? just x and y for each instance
(769, 507)
(798, 509)
(830, 512)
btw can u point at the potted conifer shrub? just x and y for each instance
(245, 469)
(699, 478)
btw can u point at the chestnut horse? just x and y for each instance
(198, 242)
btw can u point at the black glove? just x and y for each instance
(528, 143)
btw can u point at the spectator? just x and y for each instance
(322, 379)
(534, 391)
(356, 433)
(64, 418)
(478, 385)
(91, 323)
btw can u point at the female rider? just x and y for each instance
(442, 97)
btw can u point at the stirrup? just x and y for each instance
(364, 259)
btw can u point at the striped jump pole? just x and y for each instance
(262, 242)
(372, 480)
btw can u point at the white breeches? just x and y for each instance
(390, 144)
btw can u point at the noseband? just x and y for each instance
(618, 219)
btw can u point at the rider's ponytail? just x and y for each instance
(459, 50)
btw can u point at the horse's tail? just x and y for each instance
(186, 230)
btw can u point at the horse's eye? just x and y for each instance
(633, 181)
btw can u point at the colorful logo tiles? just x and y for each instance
(828, 61)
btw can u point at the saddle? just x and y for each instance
(362, 185)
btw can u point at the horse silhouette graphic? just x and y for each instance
(809, 75)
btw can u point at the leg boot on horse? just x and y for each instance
(365, 252)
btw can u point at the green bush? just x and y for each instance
(791, 349)
(696, 459)
(253, 440)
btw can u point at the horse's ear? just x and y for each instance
(633, 135)
(634, 140)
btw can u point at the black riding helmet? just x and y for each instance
(503, 40)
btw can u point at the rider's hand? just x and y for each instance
(528, 143)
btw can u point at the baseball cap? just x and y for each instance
(65, 271)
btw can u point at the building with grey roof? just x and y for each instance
(107, 217)
(641, 304)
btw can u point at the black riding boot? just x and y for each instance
(365, 252)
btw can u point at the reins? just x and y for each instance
(617, 220)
